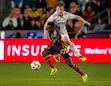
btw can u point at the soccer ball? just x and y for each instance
(35, 65)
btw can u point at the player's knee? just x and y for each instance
(44, 53)
(70, 65)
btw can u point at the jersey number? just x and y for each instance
(63, 50)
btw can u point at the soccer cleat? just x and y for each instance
(53, 71)
(57, 59)
(85, 78)
(82, 58)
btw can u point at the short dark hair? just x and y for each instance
(75, 1)
(50, 24)
(60, 4)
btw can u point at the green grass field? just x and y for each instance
(20, 74)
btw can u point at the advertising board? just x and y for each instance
(26, 50)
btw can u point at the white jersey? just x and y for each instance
(61, 20)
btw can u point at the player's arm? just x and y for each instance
(45, 31)
(52, 42)
(82, 20)
(50, 19)
(55, 38)
(77, 17)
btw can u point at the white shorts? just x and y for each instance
(64, 36)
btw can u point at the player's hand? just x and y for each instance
(87, 23)
(45, 37)
(47, 48)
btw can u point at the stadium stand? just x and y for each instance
(5, 9)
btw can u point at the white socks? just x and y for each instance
(74, 49)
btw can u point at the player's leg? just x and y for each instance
(45, 54)
(57, 57)
(74, 66)
(77, 69)
(68, 60)
(66, 39)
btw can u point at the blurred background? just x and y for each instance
(20, 18)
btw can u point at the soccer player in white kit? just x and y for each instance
(60, 17)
